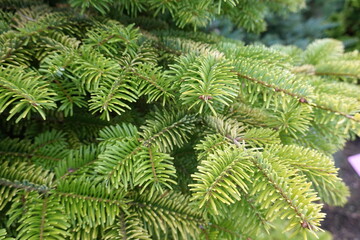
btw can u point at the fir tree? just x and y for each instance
(118, 121)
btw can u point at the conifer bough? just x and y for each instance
(118, 121)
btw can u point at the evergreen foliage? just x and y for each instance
(112, 130)
(348, 27)
(314, 21)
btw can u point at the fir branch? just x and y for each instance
(336, 74)
(279, 189)
(151, 81)
(30, 155)
(301, 99)
(26, 91)
(95, 199)
(258, 215)
(42, 223)
(240, 236)
(220, 179)
(128, 226)
(43, 218)
(182, 218)
(168, 129)
(308, 219)
(153, 165)
(24, 186)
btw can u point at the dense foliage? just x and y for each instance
(348, 29)
(316, 20)
(114, 124)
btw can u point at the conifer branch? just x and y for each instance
(229, 231)
(18, 185)
(43, 212)
(42, 189)
(255, 209)
(302, 99)
(151, 80)
(337, 74)
(152, 165)
(92, 199)
(29, 155)
(287, 199)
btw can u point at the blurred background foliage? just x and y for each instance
(320, 19)
(348, 27)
